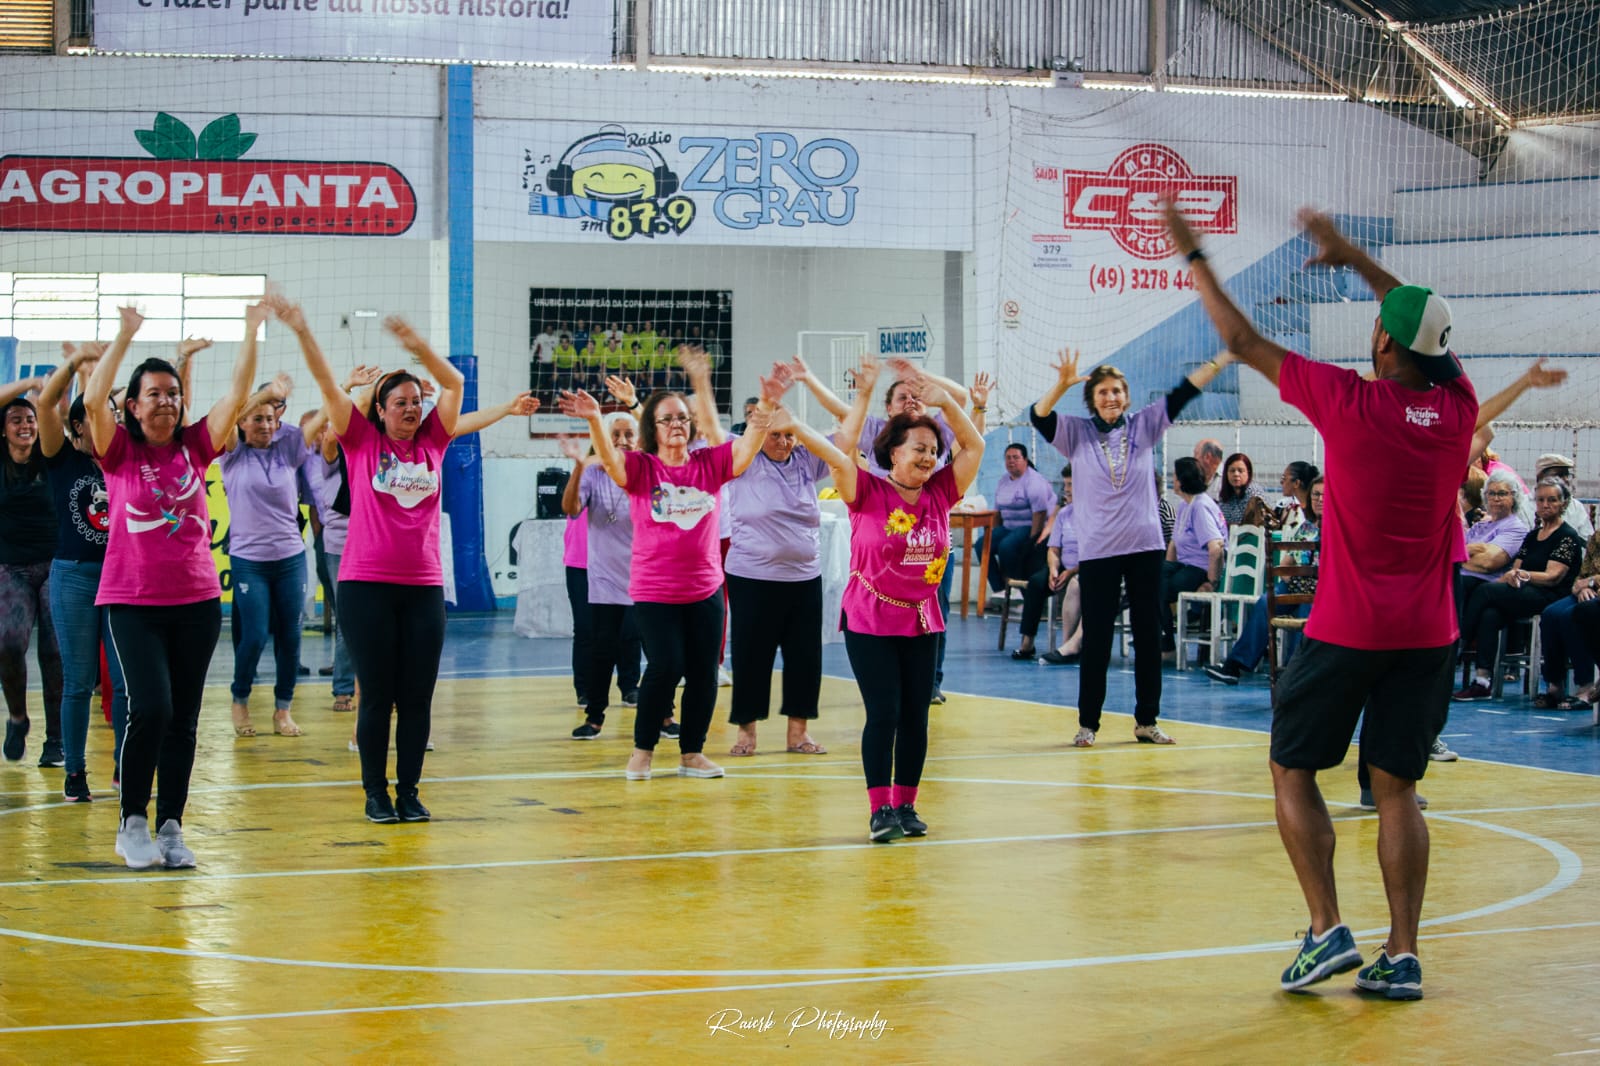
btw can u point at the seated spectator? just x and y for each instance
(1059, 573)
(1247, 651)
(1238, 487)
(1494, 540)
(1208, 453)
(1576, 515)
(1565, 630)
(1470, 499)
(1490, 462)
(1296, 485)
(1540, 574)
(1199, 541)
(1169, 517)
(1023, 499)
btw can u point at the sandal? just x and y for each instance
(241, 722)
(742, 749)
(807, 747)
(284, 726)
(1573, 703)
(343, 704)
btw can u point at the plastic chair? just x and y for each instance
(1281, 570)
(1241, 587)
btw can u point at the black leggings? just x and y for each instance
(1100, 584)
(895, 676)
(582, 629)
(613, 644)
(769, 616)
(164, 652)
(1493, 606)
(395, 634)
(681, 640)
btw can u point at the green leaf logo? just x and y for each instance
(170, 139)
(222, 139)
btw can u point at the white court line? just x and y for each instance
(590, 997)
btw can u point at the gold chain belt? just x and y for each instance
(921, 606)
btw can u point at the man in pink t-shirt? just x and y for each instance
(1397, 449)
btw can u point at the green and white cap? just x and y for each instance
(1420, 320)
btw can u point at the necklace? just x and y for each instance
(406, 454)
(898, 485)
(1118, 479)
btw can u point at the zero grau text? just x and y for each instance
(544, 9)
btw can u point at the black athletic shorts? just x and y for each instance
(1405, 693)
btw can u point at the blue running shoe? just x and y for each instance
(1321, 957)
(1399, 977)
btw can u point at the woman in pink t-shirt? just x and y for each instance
(391, 582)
(159, 581)
(899, 547)
(676, 580)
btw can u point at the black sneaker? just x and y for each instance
(913, 825)
(76, 788)
(16, 739)
(586, 731)
(409, 808)
(380, 809)
(50, 754)
(630, 698)
(886, 825)
(1227, 673)
(583, 701)
(670, 731)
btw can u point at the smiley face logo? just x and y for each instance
(609, 167)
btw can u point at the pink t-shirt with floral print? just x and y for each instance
(898, 552)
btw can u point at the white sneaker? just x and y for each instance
(1151, 734)
(724, 679)
(1441, 752)
(353, 746)
(134, 843)
(1084, 739)
(169, 841)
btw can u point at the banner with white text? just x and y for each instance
(529, 31)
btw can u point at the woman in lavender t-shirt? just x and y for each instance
(1119, 527)
(159, 580)
(899, 547)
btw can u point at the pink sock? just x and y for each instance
(878, 797)
(904, 794)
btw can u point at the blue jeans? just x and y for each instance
(81, 628)
(1561, 627)
(268, 597)
(1252, 643)
(344, 671)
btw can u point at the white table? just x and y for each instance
(542, 609)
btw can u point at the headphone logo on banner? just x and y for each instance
(1122, 199)
(621, 183)
(615, 181)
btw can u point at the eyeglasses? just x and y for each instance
(1498, 492)
(674, 420)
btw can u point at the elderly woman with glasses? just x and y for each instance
(1494, 540)
(1540, 574)
(676, 578)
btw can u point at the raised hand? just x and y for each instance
(622, 390)
(254, 315)
(579, 405)
(1066, 367)
(362, 376)
(928, 391)
(523, 404)
(290, 314)
(428, 388)
(696, 364)
(798, 368)
(1539, 376)
(574, 448)
(131, 318)
(409, 338)
(981, 385)
(866, 375)
(773, 388)
(1334, 249)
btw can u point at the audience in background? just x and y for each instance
(1238, 487)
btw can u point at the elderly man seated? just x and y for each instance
(1576, 514)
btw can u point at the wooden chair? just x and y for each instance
(1283, 567)
(1052, 610)
(1241, 587)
